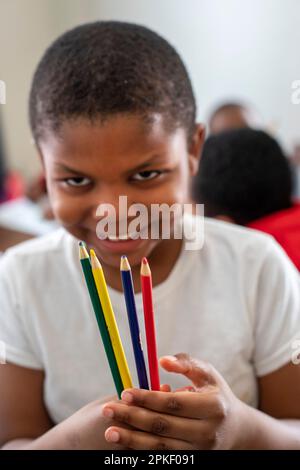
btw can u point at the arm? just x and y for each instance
(25, 423)
(277, 424)
(22, 412)
(210, 417)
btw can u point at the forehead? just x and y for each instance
(118, 136)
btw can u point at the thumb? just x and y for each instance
(199, 372)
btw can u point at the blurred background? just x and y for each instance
(235, 50)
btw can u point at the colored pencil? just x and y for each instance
(89, 279)
(146, 283)
(110, 320)
(128, 289)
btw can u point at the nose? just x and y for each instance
(110, 202)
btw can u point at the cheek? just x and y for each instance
(66, 213)
(67, 210)
(175, 190)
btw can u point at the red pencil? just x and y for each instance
(146, 281)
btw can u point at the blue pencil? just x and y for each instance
(133, 323)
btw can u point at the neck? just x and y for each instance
(167, 250)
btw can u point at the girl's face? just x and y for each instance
(89, 164)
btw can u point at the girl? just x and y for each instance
(112, 113)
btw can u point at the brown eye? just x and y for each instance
(77, 181)
(146, 175)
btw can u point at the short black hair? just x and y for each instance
(243, 174)
(104, 68)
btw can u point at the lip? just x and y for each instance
(120, 246)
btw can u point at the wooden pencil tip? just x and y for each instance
(94, 260)
(124, 265)
(145, 269)
(83, 253)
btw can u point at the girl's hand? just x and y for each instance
(204, 416)
(84, 430)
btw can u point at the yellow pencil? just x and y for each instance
(110, 321)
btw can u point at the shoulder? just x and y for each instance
(241, 252)
(32, 253)
(228, 241)
(235, 236)
(241, 244)
(251, 256)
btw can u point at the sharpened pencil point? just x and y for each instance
(83, 254)
(94, 260)
(124, 266)
(145, 269)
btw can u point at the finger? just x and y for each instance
(185, 404)
(188, 388)
(199, 372)
(138, 440)
(165, 388)
(156, 423)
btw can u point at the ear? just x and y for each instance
(195, 148)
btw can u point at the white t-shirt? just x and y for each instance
(234, 303)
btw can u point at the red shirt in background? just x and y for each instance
(284, 226)
(13, 187)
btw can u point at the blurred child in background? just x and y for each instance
(233, 115)
(245, 178)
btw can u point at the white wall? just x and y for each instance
(247, 49)
(233, 49)
(26, 29)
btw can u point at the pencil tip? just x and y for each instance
(145, 269)
(124, 265)
(83, 251)
(93, 254)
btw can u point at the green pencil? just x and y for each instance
(89, 279)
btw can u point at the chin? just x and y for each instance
(134, 257)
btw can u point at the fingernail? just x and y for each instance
(113, 436)
(127, 396)
(108, 413)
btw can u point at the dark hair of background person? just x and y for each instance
(244, 175)
(231, 115)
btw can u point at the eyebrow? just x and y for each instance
(138, 168)
(142, 166)
(67, 169)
